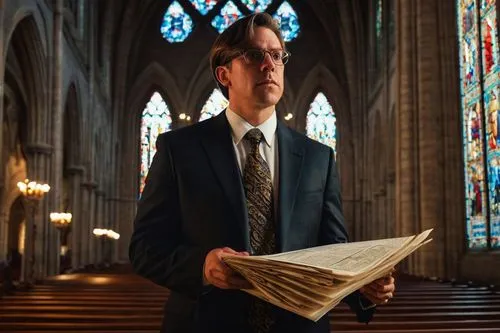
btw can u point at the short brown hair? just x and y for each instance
(237, 37)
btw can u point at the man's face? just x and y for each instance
(254, 84)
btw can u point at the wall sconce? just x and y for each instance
(32, 190)
(106, 233)
(62, 221)
(184, 117)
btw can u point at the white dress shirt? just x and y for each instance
(268, 147)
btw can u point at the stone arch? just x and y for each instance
(153, 78)
(33, 74)
(200, 102)
(199, 89)
(321, 79)
(73, 150)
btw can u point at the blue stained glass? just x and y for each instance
(155, 119)
(227, 16)
(214, 105)
(257, 5)
(176, 25)
(321, 122)
(204, 6)
(378, 21)
(289, 21)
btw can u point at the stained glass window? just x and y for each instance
(176, 25)
(378, 20)
(478, 48)
(289, 21)
(378, 31)
(227, 16)
(491, 90)
(321, 122)
(204, 6)
(214, 105)
(155, 119)
(257, 5)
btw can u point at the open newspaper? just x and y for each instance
(312, 281)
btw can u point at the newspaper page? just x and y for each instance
(347, 258)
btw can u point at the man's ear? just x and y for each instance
(222, 75)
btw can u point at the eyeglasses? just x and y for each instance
(257, 56)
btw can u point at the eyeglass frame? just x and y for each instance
(242, 53)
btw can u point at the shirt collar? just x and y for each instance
(240, 127)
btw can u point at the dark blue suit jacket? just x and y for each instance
(194, 202)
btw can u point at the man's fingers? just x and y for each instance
(385, 281)
(221, 280)
(375, 295)
(229, 250)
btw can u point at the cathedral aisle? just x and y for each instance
(97, 302)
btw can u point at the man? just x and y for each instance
(239, 183)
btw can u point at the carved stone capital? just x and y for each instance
(75, 169)
(89, 185)
(39, 148)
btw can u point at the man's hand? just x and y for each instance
(380, 291)
(219, 274)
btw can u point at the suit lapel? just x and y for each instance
(218, 144)
(291, 154)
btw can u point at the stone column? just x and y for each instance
(2, 78)
(92, 222)
(406, 170)
(99, 218)
(424, 104)
(40, 235)
(4, 230)
(84, 229)
(75, 175)
(57, 134)
(127, 208)
(87, 221)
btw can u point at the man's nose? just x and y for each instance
(268, 63)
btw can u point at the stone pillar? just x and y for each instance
(425, 103)
(99, 218)
(40, 235)
(57, 132)
(84, 226)
(75, 176)
(406, 170)
(127, 208)
(3, 59)
(4, 230)
(86, 235)
(92, 222)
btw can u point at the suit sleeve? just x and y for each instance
(157, 249)
(333, 231)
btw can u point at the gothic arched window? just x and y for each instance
(177, 25)
(214, 105)
(155, 120)
(479, 84)
(321, 122)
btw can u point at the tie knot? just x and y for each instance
(254, 136)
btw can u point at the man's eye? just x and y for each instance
(276, 55)
(255, 55)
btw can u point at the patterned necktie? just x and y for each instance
(259, 194)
